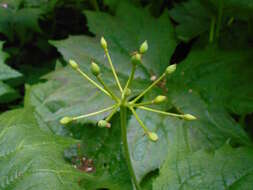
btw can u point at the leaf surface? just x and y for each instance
(31, 158)
(226, 168)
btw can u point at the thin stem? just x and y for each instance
(113, 69)
(95, 4)
(143, 104)
(212, 28)
(92, 81)
(107, 88)
(112, 113)
(219, 20)
(94, 113)
(149, 88)
(161, 112)
(130, 79)
(123, 120)
(139, 120)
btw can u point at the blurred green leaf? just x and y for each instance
(194, 16)
(19, 22)
(7, 93)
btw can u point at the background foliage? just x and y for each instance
(210, 40)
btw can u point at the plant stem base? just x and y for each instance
(123, 120)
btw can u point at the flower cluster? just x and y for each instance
(123, 100)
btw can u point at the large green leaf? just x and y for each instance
(31, 158)
(225, 168)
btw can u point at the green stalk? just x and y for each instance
(113, 69)
(148, 89)
(161, 112)
(130, 79)
(143, 103)
(95, 4)
(92, 81)
(212, 28)
(94, 113)
(107, 88)
(112, 113)
(123, 120)
(139, 120)
(219, 20)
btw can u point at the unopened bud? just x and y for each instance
(95, 69)
(73, 64)
(170, 69)
(189, 117)
(144, 47)
(136, 59)
(103, 124)
(152, 136)
(103, 43)
(159, 99)
(66, 120)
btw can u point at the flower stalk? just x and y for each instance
(123, 103)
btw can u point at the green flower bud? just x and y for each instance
(104, 123)
(95, 69)
(136, 59)
(73, 64)
(66, 120)
(152, 136)
(127, 92)
(103, 43)
(144, 47)
(170, 69)
(159, 99)
(189, 117)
